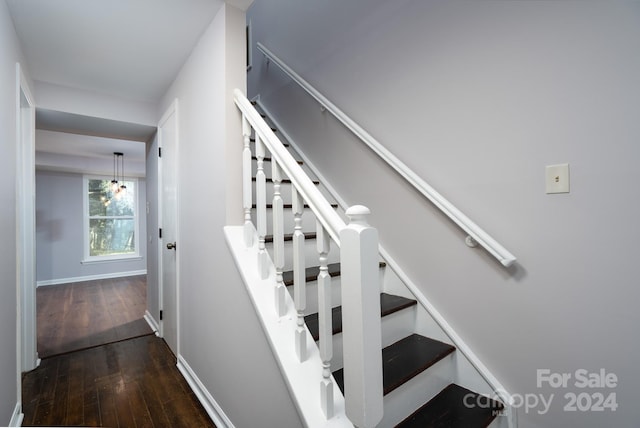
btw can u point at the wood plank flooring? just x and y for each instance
(132, 383)
(85, 314)
(101, 363)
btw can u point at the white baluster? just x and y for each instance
(246, 182)
(261, 207)
(299, 275)
(361, 330)
(278, 238)
(325, 325)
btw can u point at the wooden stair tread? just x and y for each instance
(406, 359)
(289, 206)
(389, 304)
(448, 410)
(311, 273)
(283, 181)
(289, 236)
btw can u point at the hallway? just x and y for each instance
(132, 383)
(85, 314)
(101, 363)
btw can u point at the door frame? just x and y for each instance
(171, 110)
(27, 349)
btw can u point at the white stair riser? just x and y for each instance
(310, 251)
(336, 297)
(285, 192)
(252, 146)
(394, 327)
(409, 397)
(312, 295)
(308, 220)
(268, 169)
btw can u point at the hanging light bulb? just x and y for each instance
(114, 182)
(123, 188)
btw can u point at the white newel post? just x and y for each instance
(362, 341)
(325, 327)
(261, 209)
(299, 275)
(246, 182)
(278, 238)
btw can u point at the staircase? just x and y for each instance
(426, 381)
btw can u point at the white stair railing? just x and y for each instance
(360, 286)
(475, 234)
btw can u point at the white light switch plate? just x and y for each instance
(557, 178)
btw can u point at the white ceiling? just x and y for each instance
(127, 48)
(131, 49)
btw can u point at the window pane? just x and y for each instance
(107, 200)
(111, 237)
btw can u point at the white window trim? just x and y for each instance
(87, 259)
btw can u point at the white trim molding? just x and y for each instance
(91, 277)
(214, 410)
(17, 416)
(152, 322)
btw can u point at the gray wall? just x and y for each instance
(477, 98)
(220, 336)
(9, 54)
(60, 233)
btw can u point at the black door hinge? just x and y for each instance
(159, 152)
(160, 233)
(161, 315)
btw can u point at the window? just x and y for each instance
(111, 220)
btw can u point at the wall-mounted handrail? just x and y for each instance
(477, 234)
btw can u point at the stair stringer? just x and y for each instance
(470, 372)
(302, 379)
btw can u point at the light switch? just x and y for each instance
(557, 178)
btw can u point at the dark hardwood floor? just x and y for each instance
(132, 383)
(85, 314)
(101, 363)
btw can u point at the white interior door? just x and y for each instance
(169, 247)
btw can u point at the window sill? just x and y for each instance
(110, 259)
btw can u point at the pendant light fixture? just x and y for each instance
(114, 182)
(122, 189)
(117, 184)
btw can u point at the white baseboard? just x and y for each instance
(16, 418)
(90, 277)
(214, 410)
(152, 322)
